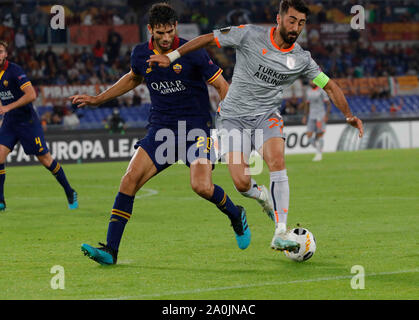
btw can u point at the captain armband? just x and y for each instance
(321, 80)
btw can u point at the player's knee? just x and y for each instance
(129, 181)
(204, 190)
(277, 164)
(242, 184)
(46, 160)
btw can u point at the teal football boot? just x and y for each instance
(241, 229)
(72, 201)
(103, 255)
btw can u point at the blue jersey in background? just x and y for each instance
(20, 124)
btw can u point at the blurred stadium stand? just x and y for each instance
(94, 50)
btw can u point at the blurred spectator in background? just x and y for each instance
(116, 18)
(66, 58)
(126, 99)
(238, 16)
(201, 20)
(70, 119)
(113, 45)
(375, 92)
(50, 55)
(136, 99)
(85, 55)
(378, 92)
(292, 106)
(98, 52)
(115, 123)
(56, 118)
(396, 108)
(46, 120)
(20, 39)
(88, 16)
(387, 15)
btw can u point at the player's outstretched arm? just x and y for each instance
(195, 44)
(28, 97)
(128, 82)
(336, 95)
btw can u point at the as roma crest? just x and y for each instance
(177, 68)
(5, 83)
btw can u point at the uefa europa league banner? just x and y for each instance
(74, 147)
(101, 146)
(342, 137)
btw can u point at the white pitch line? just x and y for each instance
(149, 193)
(254, 285)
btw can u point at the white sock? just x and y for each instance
(312, 141)
(280, 193)
(320, 143)
(253, 192)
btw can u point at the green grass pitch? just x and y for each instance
(361, 206)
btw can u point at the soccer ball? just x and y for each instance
(307, 244)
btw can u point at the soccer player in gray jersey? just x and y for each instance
(267, 61)
(315, 102)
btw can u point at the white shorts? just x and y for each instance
(245, 134)
(316, 125)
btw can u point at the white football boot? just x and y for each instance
(318, 156)
(280, 240)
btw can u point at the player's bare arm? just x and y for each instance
(28, 97)
(221, 85)
(128, 82)
(336, 95)
(199, 42)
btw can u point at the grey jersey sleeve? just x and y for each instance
(312, 70)
(231, 36)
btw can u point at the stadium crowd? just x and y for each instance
(103, 63)
(213, 13)
(106, 62)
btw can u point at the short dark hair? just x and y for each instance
(4, 44)
(298, 5)
(162, 14)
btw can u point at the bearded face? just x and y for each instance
(291, 24)
(289, 36)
